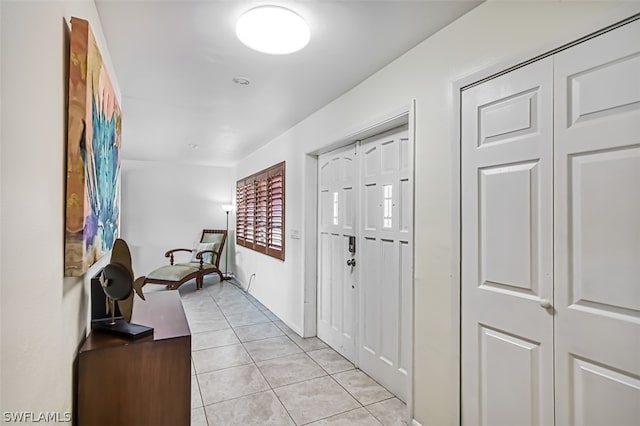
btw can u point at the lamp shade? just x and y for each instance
(227, 207)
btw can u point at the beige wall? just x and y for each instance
(43, 315)
(492, 33)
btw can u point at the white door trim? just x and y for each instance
(624, 13)
(394, 117)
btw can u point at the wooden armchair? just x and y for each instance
(205, 260)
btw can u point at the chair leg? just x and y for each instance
(221, 277)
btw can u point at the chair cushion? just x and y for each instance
(173, 272)
(207, 257)
(197, 265)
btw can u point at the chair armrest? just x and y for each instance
(169, 254)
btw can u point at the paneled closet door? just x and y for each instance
(597, 236)
(507, 251)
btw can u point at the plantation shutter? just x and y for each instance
(251, 211)
(260, 211)
(275, 214)
(241, 213)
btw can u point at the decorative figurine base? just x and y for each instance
(122, 328)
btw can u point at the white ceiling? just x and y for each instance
(175, 61)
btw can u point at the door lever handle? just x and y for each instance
(351, 262)
(545, 303)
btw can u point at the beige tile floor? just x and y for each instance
(249, 368)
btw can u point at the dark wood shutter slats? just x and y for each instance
(260, 211)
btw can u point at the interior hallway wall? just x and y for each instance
(44, 316)
(166, 206)
(489, 34)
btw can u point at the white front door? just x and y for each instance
(507, 249)
(336, 280)
(597, 240)
(386, 260)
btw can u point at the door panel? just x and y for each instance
(406, 299)
(370, 310)
(502, 403)
(385, 262)
(507, 337)
(336, 280)
(606, 397)
(508, 207)
(597, 217)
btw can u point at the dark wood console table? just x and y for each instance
(145, 382)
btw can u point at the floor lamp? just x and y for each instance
(227, 208)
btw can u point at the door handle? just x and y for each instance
(351, 262)
(545, 303)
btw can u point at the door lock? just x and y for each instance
(351, 262)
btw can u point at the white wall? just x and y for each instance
(43, 315)
(491, 33)
(167, 206)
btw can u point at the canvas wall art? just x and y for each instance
(93, 155)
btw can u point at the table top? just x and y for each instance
(161, 310)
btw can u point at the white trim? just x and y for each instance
(414, 422)
(411, 131)
(456, 236)
(310, 228)
(394, 118)
(623, 12)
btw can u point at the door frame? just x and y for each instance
(393, 118)
(607, 22)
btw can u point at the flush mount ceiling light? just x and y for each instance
(273, 30)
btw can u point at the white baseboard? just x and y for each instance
(414, 422)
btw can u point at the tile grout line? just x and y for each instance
(254, 363)
(271, 389)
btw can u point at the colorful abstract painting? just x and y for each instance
(93, 155)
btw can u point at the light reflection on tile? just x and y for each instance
(391, 412)
(315, 399)
(362, 387)
(290, 369)
(357, 417)
(274, 375)
(330, 360)
(257, 409)
(230, 383)
(260, 331)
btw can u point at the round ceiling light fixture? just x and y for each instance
(273, 30)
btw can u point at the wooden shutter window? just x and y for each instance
(260, 211)
(241, 213)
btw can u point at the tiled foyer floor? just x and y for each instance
(249, 368)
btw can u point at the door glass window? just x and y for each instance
(335, 208)
(387, 214)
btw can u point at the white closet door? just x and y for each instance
(507, 251)
(385, 260)
(336, 280)
(597, 239)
